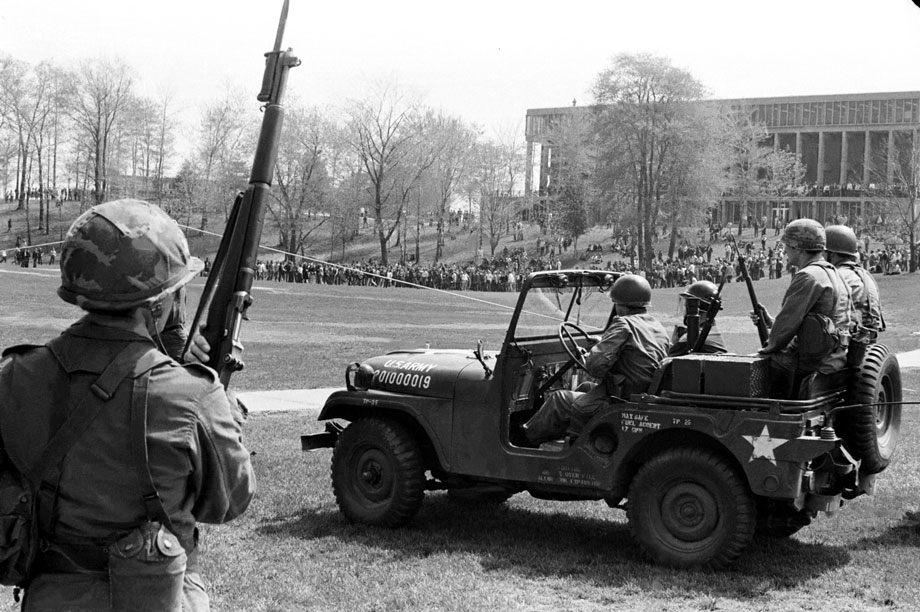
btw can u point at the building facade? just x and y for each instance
(855, 149)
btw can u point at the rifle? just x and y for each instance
(760, 313)
(226, 296)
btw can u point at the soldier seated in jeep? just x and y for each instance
(810, 333)
(700, 295)
(624, 360)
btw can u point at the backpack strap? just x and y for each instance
(132, 357)
(153, 505)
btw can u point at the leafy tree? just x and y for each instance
(901, 192)
(695, 173)
(642, 107)
(573, 155)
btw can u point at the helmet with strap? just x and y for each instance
(122, 254)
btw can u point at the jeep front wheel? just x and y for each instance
(871, 429)
(377, 473)
(689, 507)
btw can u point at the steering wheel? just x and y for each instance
(570, 344)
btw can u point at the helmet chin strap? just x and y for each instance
(152, 315)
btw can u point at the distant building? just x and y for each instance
(849, 145)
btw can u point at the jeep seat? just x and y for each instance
(817, 385)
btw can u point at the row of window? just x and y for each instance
(831, 113)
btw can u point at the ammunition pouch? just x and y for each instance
(147, 570)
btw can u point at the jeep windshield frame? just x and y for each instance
(549, 298)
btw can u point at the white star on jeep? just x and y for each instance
(764, 445)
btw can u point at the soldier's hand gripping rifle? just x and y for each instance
(226, 295)
(760, 313)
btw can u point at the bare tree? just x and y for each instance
(224, 140)
(452, 141)
(388, 137)
(302, 199)
(103, 89)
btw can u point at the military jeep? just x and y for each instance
(701, 462)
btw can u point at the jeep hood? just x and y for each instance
(426, 372)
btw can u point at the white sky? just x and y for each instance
(485, 61)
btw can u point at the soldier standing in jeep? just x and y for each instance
(624, 360)
(811, 331)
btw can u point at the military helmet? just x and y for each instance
(841, 239)
(805, 234)
(631, 290)
(122, 254)
(702, 290)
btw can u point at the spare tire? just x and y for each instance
(871, 430)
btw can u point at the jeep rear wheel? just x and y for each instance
(871, 432)
(689, 507)
(377, 473)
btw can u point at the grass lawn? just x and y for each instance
(294, 551)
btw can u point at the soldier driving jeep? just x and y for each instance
(624, 360)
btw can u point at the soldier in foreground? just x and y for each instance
(624, 360)
(118, 515)
(811, 331)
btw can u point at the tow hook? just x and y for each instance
(326, 439)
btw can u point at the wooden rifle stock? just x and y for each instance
(226, 297)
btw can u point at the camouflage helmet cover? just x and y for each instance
(805, 234)
(121, 254)
(841, 239)
(631, 290)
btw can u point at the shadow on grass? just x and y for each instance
(537, 544)
(905, 533)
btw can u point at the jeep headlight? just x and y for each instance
(359, 376)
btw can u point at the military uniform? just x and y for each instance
(714, 342)
(815, 291)
(163, 449)
(624, 360)
(199, 465)
(865, 295)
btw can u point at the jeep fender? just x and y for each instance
(423, 416)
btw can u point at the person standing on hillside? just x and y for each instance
(163, 449)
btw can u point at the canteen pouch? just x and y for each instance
(859, 342)
(147, 570)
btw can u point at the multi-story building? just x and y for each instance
(854, 148)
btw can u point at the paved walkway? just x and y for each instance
(910, 359)
(312, 399)
(289, 399)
